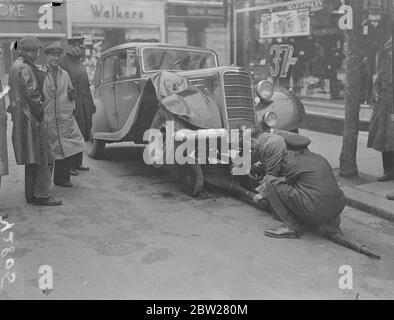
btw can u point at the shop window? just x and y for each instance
(304, 49)
(108, 69)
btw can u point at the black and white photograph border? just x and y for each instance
(216, 151)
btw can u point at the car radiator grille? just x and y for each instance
(239, 98)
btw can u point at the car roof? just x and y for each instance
(140, 45)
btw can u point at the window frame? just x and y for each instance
(113, 56)
(174, 48)
(129, 52)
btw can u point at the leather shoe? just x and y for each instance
(73, 172)
(281, 232)
(51, 201)
(385, 177)
(81, 168)
(64, 184)
(390, 196)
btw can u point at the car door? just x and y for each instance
(128, 85)
(106, 91)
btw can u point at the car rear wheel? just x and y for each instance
(95, 148)
(192, 179)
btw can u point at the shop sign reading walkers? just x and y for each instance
(115, 12)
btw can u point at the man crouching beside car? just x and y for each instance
(308, 194)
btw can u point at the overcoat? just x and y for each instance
(84, 105)
(309, 190)
(3, 137)
(25, 81)
(381, 129)
(65, 138)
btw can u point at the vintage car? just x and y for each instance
(139, 86)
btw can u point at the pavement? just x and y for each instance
(333, 108)
(364, 192)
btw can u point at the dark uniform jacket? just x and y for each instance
(84, 105)
(309, 190)
(25, 81)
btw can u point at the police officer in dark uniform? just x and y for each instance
(307, 195)
(84, 105)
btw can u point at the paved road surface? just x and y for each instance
(126, 231)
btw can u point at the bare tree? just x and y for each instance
(353, 51)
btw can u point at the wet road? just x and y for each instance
(126, 231)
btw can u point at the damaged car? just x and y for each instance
(140, 88)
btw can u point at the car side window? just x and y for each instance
(127, 65)
(97, 74)
(108, 68)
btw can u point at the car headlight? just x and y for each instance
(270, 119)
(265, 89)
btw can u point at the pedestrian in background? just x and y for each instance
(84, 105)
(65, 138)
(381, 131)
(29, 136)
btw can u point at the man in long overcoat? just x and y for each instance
(65, 138)
(381, 130)
(307, 195)
(84, 105)
(28, 134)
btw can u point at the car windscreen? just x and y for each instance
(155, 59)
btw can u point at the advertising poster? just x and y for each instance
(288, 23)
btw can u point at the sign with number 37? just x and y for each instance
(282, 59)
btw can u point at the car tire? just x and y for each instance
(192, 179)
(159, 123)
(191, 175)
(96, 148)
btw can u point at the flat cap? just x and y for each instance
(72, 41)
(55, 47)
(29, 43)
(296, 142)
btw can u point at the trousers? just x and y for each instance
(38, 181)
(78, 160)
(63, 167)
(388, 162)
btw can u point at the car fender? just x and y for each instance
(288, 108)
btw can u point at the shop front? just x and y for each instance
(299, 44)
(21, 18)
(199, 23)
(106, 23)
